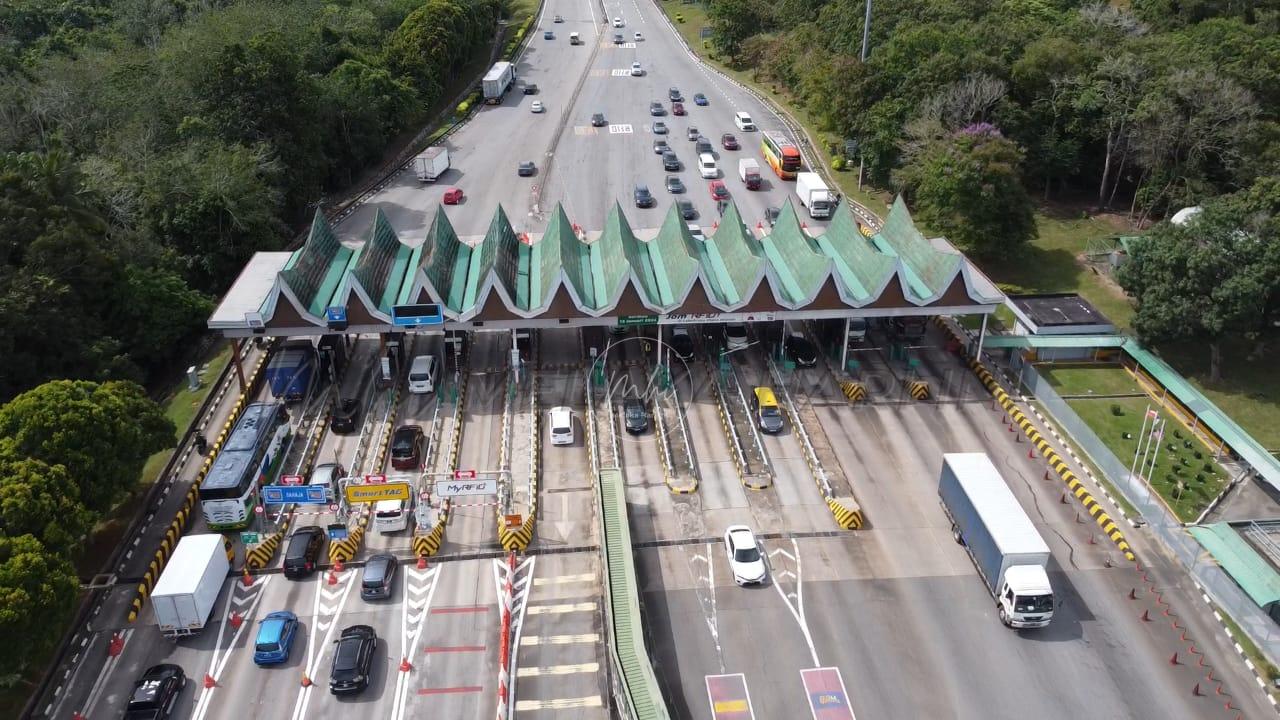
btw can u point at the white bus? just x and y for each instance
(247, 460)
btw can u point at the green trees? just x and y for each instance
(37, 591)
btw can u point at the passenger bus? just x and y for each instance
(781, 154)
(251, 455)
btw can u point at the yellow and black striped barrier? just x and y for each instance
(345, 550)
(854, 391)
(1056, 462)
(259, 556)
(428, 543)
(847, 513)
(919, 389)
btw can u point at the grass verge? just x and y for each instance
(1265, 668)
(1089, 379)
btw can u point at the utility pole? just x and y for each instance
(866, 38)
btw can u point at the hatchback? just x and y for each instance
(660, 146)
(275, 637)
(644, 198)
(636, 69)
(406, 447)
(352, 659)
(699, 99)
(718, 190)
(674, 95)
(453, 196)
(302, 552)
(729, 142)
(670, 162)
(659, 128)
(597, 120)
(155, 693)
(635, 417)
(526, 169)
(346, 413)
(674, 184)
(537, 107)
(656, 109)
(379, 575)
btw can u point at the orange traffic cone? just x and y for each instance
(209, 682)
(405, 666)
(306, 681)
(422, 562)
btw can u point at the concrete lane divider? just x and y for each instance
(919, 389)
(854, 391)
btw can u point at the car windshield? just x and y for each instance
(403, 442)
(145, 696)
(298, 546)
(770, 412)
(738, 331)
(1033, 603)
(746, 554)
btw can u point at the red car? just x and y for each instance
(407, 447)
(718, 190)
(453, 196)
(729, 142)
(677, 108)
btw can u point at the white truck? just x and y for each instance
(497, 81)
(431, 163)
(815, 195)
(1005, 546)
(749, 171)
(189, 585)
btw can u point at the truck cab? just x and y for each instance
(1026, 598)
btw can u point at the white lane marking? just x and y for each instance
(103, 675)
(316, 653)
(591, 7)
(422, 585)
(562, 579)
(561, 608)
(560, 704)
(589, 667)
(797, 608)
(619, 129)
(255, 593)
(584, 638)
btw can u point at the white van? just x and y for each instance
(561, 426)
(390, 515)
(744, 121)
(422, 374)
(575, 38)
(328, 475)
(707, 166)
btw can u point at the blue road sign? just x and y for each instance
(338, 532)
(415, 315)
(336, 314)
(301, 494)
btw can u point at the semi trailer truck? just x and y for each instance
(1005, 546)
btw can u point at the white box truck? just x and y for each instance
(497, 81)
(749, 171)
(815, 195)
(1005, 546)
(189, 585)
(431, 163)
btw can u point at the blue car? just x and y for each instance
(275, 637)
(699, 99)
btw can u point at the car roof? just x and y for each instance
(271, 630)
(740, 535)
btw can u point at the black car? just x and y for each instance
(345, 415)
(156, 693)
(597, 120)
(682, 343)
(379, 575)
(548, 35)
(800, 350)
(407, 447)
(303, 551)
(617, 38)
(656, 109)
(674, 94)
(670, 162)
(635, 416)
(674, 184)
(526, 169)
(771, 214)
(351, 660)
(644, 198)
(687, 210)
(530, 89)
(660, 146)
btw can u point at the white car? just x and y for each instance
(696, 232)
(636, 70)
(537, 106)
(744, 122)
(735, 336)
(707, 166)
(639, 37)
(617, 22)
(745, 559)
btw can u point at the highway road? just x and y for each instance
(586, 168)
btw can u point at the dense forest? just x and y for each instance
(148, 147)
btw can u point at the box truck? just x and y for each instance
(189, 585)
(290, 369)
(431, 163)
(749, 171)
(1005, 546)
(815, 195)
(497, 81)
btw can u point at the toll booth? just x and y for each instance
(333, 356)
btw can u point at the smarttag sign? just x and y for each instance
(456, 488)
(376, 493)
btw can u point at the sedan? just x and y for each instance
(155, 693)
(597, 120)
(674, 184)
(670, 162)
(674, 95)
(559, 19)
(693, 134)
(696, 233)
(639, 37)
(771, 214)
(699, 99)
(406, 447)
(718, 190)
(687, 210)
(660, 146)
(275, 638)
(636, 69)
(526, 169)
(656, 109)
(644, 198)
(745, 559)
(677, 108)
(352, 659)
(347, 410)
(635, 417)
(548, 35)
(452, 196)
(617, 38)
(537, 107)
(530, 89)
(800, 351)
(659, 128)
(729, 142)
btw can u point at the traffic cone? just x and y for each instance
(236, 619)
(247, 579)
(422, 562)
(116, 646)
(306, 681)
(337, 564)
(1173, 659)
(405, 666)
(209, 682)
(78, 716)
(1146, 617)
(333, 578)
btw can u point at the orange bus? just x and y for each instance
(781, 154)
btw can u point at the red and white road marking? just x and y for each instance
(729, 697)
(824, 688)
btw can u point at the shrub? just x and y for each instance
(837, 163)
(1199, 477)
(1184, 462)
(1186, 444)
(1208, 467)
(1177, 433)
(1116, 410)
(1199, 455)
(463, 107)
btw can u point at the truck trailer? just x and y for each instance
(1005, 546)
(431, 163)
(189, 585)
(497, 81)
(815, 195)
(290, 369)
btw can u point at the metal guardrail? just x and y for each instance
(798, 427)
